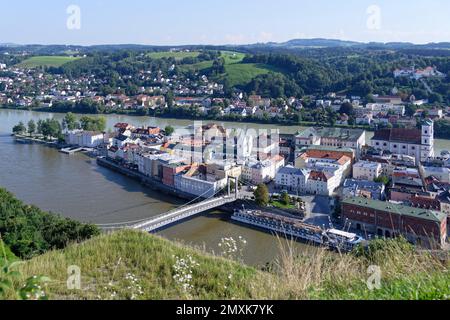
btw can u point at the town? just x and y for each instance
(393, 186)
(219, 156)
(362, 185)
(168, 87)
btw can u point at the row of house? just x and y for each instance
(318, 170)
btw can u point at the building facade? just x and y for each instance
(410, 142)
(365, 170)
(420, 226)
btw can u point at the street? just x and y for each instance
(318, 210)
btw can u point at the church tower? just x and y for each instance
(427, 149)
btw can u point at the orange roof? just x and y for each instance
(326, 154)
(343, 160)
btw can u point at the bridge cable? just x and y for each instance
(120, 225)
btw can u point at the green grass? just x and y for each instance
(106, 261)
(5, 252)
(281, 205)
(197, 67)
(243, 73)
(229, 56)
(421, 286)
(238, 73)
(46, 61)
(176, 55)
(232, 57)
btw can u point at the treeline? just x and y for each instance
(85, 106)
(52, 128)
(356, 72)
(203, 56)
(29, 231)
(303, 75)
(442, 129)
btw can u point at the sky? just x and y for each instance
(180, 22)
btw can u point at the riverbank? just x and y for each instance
(221, 119)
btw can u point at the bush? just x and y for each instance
(262, 195)
(29, 231)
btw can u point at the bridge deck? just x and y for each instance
(168, 218)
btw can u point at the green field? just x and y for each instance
(46, 61)
(175, 55)
(243, 73)
(238, 73)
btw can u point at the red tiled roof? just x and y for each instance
(318, 176)
(412, 136)
(121, 125)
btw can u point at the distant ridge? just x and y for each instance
(336, 43)
(291, 44)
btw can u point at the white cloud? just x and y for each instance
(235, 38)
(265, 37)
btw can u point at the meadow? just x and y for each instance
(134, 265)
(237, 72)
(46, 61)
(178, 55)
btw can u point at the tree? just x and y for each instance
(51, 128)
(169, 99)
(285, 199)
(93, 123)
(70, 122)
(39, 125)
(169, 130)
(19, 128)
(262, 195)
(29, 231)
(410, 110)
(382, 179)
(31, 127)
(348, 109)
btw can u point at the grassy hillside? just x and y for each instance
(243, 73)
(175, 55)
(133, 265)
(6, 253)
(237, 72)
(46, 61)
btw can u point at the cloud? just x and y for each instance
(265, 37)
(235, 38)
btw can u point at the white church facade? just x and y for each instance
(417, 143)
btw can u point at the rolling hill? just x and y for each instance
(237, 72)
(46, 61)
(134, 265)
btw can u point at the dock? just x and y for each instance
(75, 149)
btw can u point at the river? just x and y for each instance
(76, 187)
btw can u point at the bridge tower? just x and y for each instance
(236, 186)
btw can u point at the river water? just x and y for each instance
(76, 187)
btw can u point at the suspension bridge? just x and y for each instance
(184, 212)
